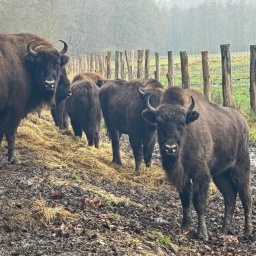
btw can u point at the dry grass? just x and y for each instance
(48, 214)
(62, 150)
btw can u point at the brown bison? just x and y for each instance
(122, 108)
(58, 110)
(198, 141)
(83, 108)
(30, 71)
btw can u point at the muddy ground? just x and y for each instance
(69, 210)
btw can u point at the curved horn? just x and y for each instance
(29, 49)
(190, 108)
(64, 50)
(141, 92)
(149, 107)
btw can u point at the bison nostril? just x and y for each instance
(69, 93)
(49, 84)
(171, 148)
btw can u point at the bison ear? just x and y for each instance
(148, 116)
(64, 60)
(191, 117)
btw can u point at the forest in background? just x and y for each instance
(97, 26)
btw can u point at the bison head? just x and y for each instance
(45, 63)
(171, 121)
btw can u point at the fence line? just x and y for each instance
(204, 71)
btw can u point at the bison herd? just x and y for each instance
(199, 141)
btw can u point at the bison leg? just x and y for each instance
(244, 190)
(227, 188)
(65, 120)
(137, 151)
(185, 197)
(10, 137)
(96, 139)
(115, 136)
(200, 187)
(148, 148)
(76, 128)
(89, 136)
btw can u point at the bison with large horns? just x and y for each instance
(30, 71)
(198, 141)
(122, 104)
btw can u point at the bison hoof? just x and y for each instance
(248, 230)
(13, 160)
(203, 236)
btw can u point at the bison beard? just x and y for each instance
(199, 142)
(30, 70)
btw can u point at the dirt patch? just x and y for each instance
(68, 199)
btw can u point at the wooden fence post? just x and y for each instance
(140, 63)
(85, 63)
(130, 64)
(100, 59)
(226, 75)
(147, 63)
(169, 75)
(117, 66)
(108, 60)
(253, 77)
(184, 69)
(92, 63)
(157, 72)
(88, 62)
(206, 74)
(122, 65)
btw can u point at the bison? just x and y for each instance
(30, 71)
(198, 141)
(122, 104)
(58, 110)
(83, 108)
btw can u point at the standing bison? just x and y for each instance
(199, 140)
(30, 71)
(83, 108)
(122, 104)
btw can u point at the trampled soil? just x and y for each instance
(58, 203)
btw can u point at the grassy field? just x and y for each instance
(240, 75)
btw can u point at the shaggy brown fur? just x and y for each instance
(122, 106)
(92, 77)
(199, 143)
(83, 108)
(28, 78)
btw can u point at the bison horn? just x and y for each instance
(29, 49)
(141, 92)
(64, 50)
(149, 107)
(190, 108)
